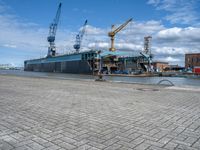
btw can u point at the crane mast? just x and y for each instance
(146, 53)
(112, 33)
(147, 44)
(52, 33)
(79, 37)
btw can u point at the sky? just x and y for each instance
(173, 24)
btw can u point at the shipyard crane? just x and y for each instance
(79, 37)
(147, 44)
(52, 33)
(112, 33)
(146, 53)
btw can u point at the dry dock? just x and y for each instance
(52, 114)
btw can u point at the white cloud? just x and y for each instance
(118, 46)
(153, 2)
(10, 45)
(189, 33)
(128, 46)
(168, 44)
(170, 59)
(144, 28)
(181, 40)
(21, 35)
(90, 30)
(98, 45)
(179, 11)
(173, 51)
(13, 32)
(3, 7)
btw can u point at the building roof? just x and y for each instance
(121, 53)
(192, 54)
(162, 62)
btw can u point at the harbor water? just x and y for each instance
(177, 81)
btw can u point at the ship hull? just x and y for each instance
(87, 62)
(80, 63)
(79, 67)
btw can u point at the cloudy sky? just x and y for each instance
(173, 24)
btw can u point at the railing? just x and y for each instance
(165, 80)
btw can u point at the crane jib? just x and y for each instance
(79, 37)
(52, 33)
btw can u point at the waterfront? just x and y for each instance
(177, 81)
(52, 114)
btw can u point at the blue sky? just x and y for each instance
(173, 24)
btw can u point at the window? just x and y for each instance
(199, 59)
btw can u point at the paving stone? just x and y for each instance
(5, 146)
(185, 147)
(84, 147)
(23, 148)
(155, 148)
(96, 145)
(171, 146)
(138, 141)
(67, 145)
(68, 140)
(190, 140)
(164, 140)
(126, 144)
(196, 144)
(35, 146)
(53, 114)
(142, 146)
(53, 147)
(113, 147)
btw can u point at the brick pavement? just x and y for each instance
(50, 114)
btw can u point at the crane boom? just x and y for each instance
(52, 33)
(122, 26)
(79, 37)
(115, 31)
(83, 30)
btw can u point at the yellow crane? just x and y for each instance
(113, 32)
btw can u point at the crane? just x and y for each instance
(147, 44)
(79, 37)
(112, 33)
(52, 33)
(146, 53)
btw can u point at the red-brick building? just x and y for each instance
(192, 60)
